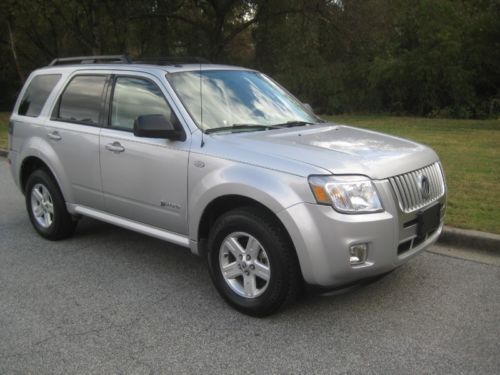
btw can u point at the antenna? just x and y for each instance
(201, 109)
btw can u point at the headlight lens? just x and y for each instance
(347, 194)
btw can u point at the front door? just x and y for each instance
(143, 179)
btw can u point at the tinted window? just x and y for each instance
(37, 93)
(82, 99)
(135, 97)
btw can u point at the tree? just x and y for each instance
(425, 57)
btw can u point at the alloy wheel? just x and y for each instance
(244, 264)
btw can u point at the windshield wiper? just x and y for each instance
(288, 124)
(291, 124)
(239, 127)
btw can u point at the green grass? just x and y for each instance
(4, 122)
(470, 153)
(469, 150)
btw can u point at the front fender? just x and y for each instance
(275, 190)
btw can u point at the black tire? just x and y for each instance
(62, 224)
(284, 281)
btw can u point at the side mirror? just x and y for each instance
(157, 126)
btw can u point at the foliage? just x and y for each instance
(425, 57)
(4, 123)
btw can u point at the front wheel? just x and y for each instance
(252, 262)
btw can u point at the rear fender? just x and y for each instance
(39, 148)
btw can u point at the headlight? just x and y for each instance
(347, 194)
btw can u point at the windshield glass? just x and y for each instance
(235, 97)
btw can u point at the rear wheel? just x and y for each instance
(252, 262)
(46, 207)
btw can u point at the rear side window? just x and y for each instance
(82, 100)
(36, 94)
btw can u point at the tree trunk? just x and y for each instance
(14, 53)
(95, 30)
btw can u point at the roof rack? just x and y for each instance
(114, 59)
(171, 60)
(125, 59)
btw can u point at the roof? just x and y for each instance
(161, 64)
(141, 67)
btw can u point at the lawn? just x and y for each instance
(470, 152)
(4, 122)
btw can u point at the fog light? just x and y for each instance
(358, 253)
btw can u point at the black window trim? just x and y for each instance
(101, 123)
(109, 105)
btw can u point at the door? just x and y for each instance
(143, 179)
(73, 132)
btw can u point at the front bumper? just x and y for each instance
(322, 237)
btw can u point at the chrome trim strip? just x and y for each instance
(149, 230)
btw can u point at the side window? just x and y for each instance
(36, 94)
(135, 97)
(82, 100)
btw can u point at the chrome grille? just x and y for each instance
(408, 187)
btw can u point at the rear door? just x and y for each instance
(143, 179)
(73, 132)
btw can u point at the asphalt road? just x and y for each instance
(113, 301)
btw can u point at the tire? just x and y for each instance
(47, 208)
(251, 245)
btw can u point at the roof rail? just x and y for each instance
(116, 59)
(171, 60)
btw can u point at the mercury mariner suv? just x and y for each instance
(224, 161)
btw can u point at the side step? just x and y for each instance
(148, 230)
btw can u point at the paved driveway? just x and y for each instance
(112, 301)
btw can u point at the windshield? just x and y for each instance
(233, 98)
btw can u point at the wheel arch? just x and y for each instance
(31, 163)
(223, 204)
(220, 206)
(38, 152)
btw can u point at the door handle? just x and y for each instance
(54, 135)
(115, 147)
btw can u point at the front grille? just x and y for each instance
(408, 187)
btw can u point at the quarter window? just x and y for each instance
(82, 100)
(135, 97)
(37, 93)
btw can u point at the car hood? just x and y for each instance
(338, 149)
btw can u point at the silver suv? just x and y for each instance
(224, 161)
